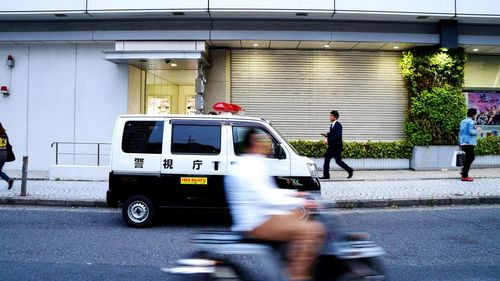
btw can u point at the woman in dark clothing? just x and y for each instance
(4, 140)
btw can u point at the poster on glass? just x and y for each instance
(487, 104)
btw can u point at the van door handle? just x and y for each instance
(216, 165)
(233, 162)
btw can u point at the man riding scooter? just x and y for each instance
(261, 210)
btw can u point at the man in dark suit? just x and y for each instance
(334, 150)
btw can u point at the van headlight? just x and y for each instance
(313, 170)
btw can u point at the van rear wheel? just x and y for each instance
(138, 211)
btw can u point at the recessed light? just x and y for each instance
(475, 50)
(395, 47)
(327, 46)
(255, 45)
(173, 64)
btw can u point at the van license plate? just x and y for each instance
(192, 180)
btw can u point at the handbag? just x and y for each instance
(458, 158)
(10, 154)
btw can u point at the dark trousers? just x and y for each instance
(337, 154)
(469, 158)
(2, 174)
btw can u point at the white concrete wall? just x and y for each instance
(43, 6)
(254, 8)
(60, 92)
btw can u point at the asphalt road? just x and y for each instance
(36, 243)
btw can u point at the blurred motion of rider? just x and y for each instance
(261, 210)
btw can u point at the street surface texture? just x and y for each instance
(49, 243)
(403, 189)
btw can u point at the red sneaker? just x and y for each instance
(467, 179)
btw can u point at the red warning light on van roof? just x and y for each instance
(227, 107)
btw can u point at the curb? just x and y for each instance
(340, 204)
(431, 202)
(53, 202)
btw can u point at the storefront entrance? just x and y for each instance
(170, 92)
(164, 77)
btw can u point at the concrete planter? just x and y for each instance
(367, 164)
(69, 172)
(487, 161)
(433, 157)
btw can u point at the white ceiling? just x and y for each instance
(338, 45)
(186, 71)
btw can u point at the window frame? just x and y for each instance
(204, 123)
(156, 122)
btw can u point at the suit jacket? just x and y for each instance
(335, 136)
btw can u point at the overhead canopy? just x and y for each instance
(160, 54)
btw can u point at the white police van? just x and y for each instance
(179, 161)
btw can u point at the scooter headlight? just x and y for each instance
(313, 170)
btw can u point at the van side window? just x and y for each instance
(196, 139)
(239, 133)
(143, 137)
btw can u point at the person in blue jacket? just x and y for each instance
(467, 138)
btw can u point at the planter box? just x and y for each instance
(69, 172)
(367, 164)
(433, 157)
(487, 161)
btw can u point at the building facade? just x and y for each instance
(71, 67)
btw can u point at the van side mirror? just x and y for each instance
(278, 151)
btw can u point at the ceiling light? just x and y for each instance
(255, 45)
(395, 47)
(475, 50)
(173, 64)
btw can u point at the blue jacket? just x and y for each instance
(468, 132)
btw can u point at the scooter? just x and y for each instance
(221, 256)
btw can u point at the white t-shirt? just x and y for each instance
(253, 195)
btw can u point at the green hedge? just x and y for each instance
(378, 150)
(488, 146)
(394, 150)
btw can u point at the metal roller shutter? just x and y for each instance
(296, 90)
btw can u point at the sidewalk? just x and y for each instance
(366, 189)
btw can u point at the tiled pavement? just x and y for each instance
(365, 189)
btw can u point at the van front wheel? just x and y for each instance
(138, 211)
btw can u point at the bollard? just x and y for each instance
(24, 175)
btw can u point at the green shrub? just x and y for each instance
(378, 150)
(488, 146)
(435, 116)
(434, 81)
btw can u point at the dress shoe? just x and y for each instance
(467, 179)
(11, 183)
(350, 174)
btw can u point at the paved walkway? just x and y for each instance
(366, 189)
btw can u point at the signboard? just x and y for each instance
(487, 104)
(158, 105)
